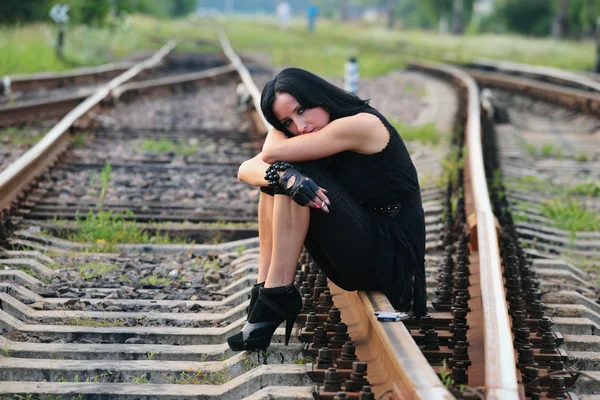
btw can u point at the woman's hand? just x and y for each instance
(303, 190)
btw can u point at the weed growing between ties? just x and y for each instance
(96, 269)
(80, 139)
(139, 379)
(187, 147)
(569, 214)
(582, 157)
(304, 360)
(426, 134)
(200, 377)
(30, 271)
(155, 280)
(536, 184)
(87, 321)
(29, 396)
(19, 137)
(105, 229)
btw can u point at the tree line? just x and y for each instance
(560, 18)
(91, 12)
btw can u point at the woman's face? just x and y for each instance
(297, 119)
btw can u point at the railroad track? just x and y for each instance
(53, 95)
(571, 90)
(150, 321)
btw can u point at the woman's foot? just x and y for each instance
(254, 297)
(273, 306)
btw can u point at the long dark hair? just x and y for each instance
(310, 91)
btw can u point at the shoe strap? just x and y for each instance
(271, 304)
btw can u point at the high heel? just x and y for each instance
(253, 297)
(289, 324)
(273, 306)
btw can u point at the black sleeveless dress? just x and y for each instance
(373, 238)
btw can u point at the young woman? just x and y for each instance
(336, 177)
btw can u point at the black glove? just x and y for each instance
(302, 191)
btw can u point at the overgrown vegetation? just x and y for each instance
(200, 377)
(154, 280)
(453, 164)
(30, 271)
(165, 146)
(536, 184)
(547, 150)
(379, 50)
(17, 136)
(96, 269)
(87, 321)
(426, 134)
(139, 379)
(569, 214)
(105, 229)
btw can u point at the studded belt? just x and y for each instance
(392, 208)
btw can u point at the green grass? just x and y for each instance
(200, 377)
(536, 184)
(95, 270)
(588, 189)
(551, 151)
(164, 146)
(570, 215)
(582, 157)
(87, 321)
(28, 49)
(154, 281)
(426, 134)
(30, 271)
(104, 229)
(17, 136)
(547, 150)
(380, 50)
(80, 139)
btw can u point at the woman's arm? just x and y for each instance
(252, 171)
(362, 133)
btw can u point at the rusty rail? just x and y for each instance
(186, 81)
(546, 74)
(247, 80)
(48, 80)
(578, 99)
(500, 379)
(22, 172)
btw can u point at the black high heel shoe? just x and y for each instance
(273, 306)
(254, 297)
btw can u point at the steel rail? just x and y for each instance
(21, 173)
(127, 91)
(499, 360)
(48, 80)
(59, 105)
(547, 74)
(578, 99)
(247, 80)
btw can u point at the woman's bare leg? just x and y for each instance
(265, 234)
(290, 224)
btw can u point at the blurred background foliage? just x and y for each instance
(562, 18)
(382, 33)
(531, 17)
(92, 12)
